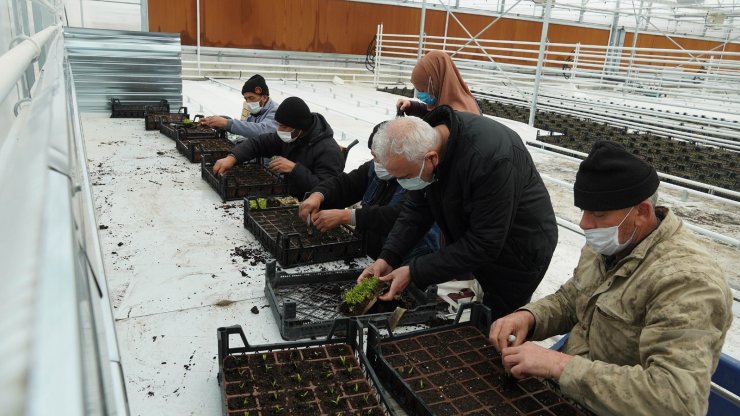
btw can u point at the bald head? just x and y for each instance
(409, 138)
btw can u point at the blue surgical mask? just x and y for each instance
(380, 172)
(606, 240)
(426, 98)
(414, 184)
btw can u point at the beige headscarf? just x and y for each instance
(437, 75)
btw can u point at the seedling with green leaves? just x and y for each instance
(362, 297)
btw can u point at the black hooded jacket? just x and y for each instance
(316, 154)
(493, 210)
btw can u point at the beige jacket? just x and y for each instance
(646, 335)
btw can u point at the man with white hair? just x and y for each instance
(475, 178)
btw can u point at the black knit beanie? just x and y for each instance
(293, 112)
(612, 178)
(256, 85)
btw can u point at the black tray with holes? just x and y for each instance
(306, 305)
(328, 377)
(195, 149)
(154, 118)
(246, 179)
(286, 237)
(136, 110)
(453, 369)
(171, 129)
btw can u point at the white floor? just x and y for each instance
(168, 247)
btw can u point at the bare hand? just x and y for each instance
(310, 205)
(403, 104)
(518, 324)
(530, 359)
(330, 219)
(217, 122)
(379, 268)
(399, 278)
(223, 165)
(281, 165)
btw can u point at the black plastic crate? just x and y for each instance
(299, 377)
(242, 180)
(194, 149)
(306, 305)
(285, 236)
(453, 369)
(137, 110)
(153, 118)
(171, 128)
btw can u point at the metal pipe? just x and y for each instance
(421, 28)
(541, 55)
(15, 61)
(197, 24)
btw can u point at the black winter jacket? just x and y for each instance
(316, 154)
(381, 202)
(493, 210)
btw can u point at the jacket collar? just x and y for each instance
(446, 115)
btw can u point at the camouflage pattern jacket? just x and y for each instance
(646, 335)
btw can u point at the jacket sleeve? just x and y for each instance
(344, 190)
(413, 222)
(265, 145)
(251, 129)
(416, 109)
(493, 194)
(380, 218)
(328, 163)
(679, 345)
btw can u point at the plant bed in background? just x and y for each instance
(136, 110)
(247, 179)
(328, 377)
(453, 369)
(194, 149)
(307, 304)
(292, 242)
(153, 118)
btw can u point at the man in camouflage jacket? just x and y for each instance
(647, 308)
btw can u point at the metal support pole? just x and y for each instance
(197, 24)
(582, 11)
(575, 61)
(488, 26)
(15, 61)
(421, 29)
(447, 25)
(144, 15)
(540, 63)
(638, 18)
(378, 46)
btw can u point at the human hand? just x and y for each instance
(331, 218)
(281, 165)
(399, 278)
(215, 122)
(518, 324)
(530, 359)
(310, 206)
(223, 165)
(379, 268)
(403, 104)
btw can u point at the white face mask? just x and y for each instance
(286, 136)
(606, 240)
(381, 173)
(253, 107)
(414, 184)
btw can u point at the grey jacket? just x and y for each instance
(261, 123)
(646, 335)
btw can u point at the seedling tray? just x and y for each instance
(153, 118)
(120, 110)
(454, 370)
(306, 305)
(285, 236)
(246, 179)
(195, 149)
(326, 377)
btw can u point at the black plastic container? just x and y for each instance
(305, 305)
(153, 118)
(246, 179)
(120, 110)
(195, 149)
(286, 238)
(240, 361)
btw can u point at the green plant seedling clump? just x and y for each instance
(361, 292)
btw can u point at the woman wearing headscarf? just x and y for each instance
(438, 82)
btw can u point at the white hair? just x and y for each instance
(408, 137)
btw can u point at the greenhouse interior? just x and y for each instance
(155, 260)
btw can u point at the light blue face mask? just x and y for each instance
(426, 98)
(414, 184)
(381, 173)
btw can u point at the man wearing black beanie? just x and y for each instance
(304, 146)
(647, 308)
(258, 112)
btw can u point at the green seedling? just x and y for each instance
(343, 359)
(241, 372)
(267, 367)
(362, 292)
(245, 401)
(328, 374)
(411, 370)
(337, 400)
(264, 357)
(187, 121)
(357, 387)
(275, 395)
(349, 369)
(421, 384)
(298, 378)
(365, 397)
(246, 413)
(241, 386)
(274, 382)
(259, 202)
(305, 394)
